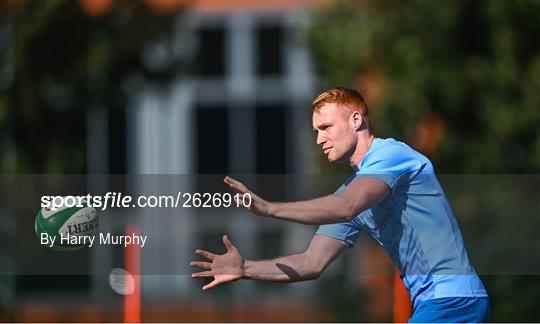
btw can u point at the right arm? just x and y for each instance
(297, 267)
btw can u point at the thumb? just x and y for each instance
(228, 244)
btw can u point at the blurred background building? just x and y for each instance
(144, 95)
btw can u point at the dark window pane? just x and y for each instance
(271, 144)
(269, 51)
(211, 53)
(269, 243)
(117, 141)
(212, 147)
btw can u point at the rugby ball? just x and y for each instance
(66, 225)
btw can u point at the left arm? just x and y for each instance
(360, 194)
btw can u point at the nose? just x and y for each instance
(320, 138)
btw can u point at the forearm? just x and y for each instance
(324, 210)
(292, 268)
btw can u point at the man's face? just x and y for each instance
(336, 133)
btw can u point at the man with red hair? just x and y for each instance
(393, 196)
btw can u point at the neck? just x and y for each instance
(362, 147)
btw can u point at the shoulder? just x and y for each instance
(391, 156)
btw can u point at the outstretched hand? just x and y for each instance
(223, 268)
(258, 205)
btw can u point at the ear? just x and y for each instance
(357, 119)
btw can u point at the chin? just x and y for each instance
(338, 160)
(332, 159)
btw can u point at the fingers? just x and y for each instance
(210, 285)
(228, 180)
(202, 274)
(228, 244)
(201, 265)
(206, 274)
(236, 185)
(206, 254)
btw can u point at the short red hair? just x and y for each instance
(341, 96)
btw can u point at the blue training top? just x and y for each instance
(414, 224)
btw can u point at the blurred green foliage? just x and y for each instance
(474, 64)
(58, 63)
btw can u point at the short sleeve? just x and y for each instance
(347, 232)
(389, 162)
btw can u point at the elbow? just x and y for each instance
(317, 274)
(347, 212)
(313, 275)
(315, 269)
(349, 217)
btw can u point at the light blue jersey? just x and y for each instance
(414, 224)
